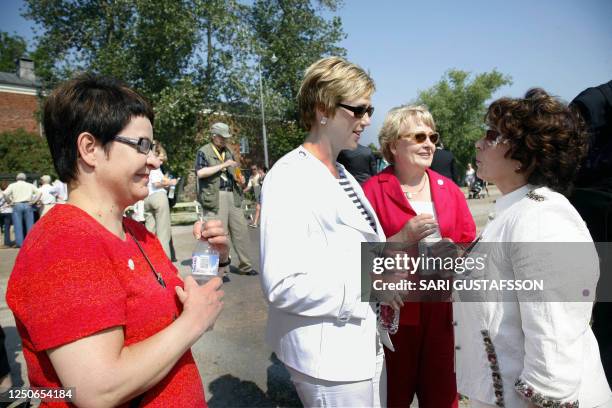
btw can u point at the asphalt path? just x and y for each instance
(238, 368)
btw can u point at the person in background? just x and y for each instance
(156, 206)
(444, 163)
(360, 162)
(254, 184)
(6, 215)
(409, 196)
(534, 348)
(48, 194)
(62, 189)
(171, 185)
(470, 176)
(22, 196)
(314, 218)
(98, 305)
(220, 193)
(592, 197)
(137, 212)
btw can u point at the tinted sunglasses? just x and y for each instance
(493, 137)
(143, 145)
(422, 136)
(359, 111)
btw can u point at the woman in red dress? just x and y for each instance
(408, 195)
(98, 305)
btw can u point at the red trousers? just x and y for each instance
(423, 361)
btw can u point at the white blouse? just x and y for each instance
(511, 351)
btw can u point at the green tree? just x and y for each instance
(191, 56)
(177, 114)
(457, 103)
(221, 57)
(297, 34)
(12, 47)
(145, 43)
(21, 151)
(284, 137)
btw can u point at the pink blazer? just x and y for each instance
(393, 210)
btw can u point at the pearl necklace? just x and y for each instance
(409, 194)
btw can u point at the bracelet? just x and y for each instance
(226, 263)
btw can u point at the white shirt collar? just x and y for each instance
(507, 200)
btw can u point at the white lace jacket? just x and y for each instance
(519, 347)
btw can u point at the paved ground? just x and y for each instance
(237, 368)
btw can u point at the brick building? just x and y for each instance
(19, 102)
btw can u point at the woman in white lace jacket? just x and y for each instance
(532, 349)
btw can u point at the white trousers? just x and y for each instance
(315, 392)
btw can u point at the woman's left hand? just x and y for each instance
(215, 234)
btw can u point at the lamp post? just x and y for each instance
(263, 114)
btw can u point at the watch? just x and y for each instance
(226, 263)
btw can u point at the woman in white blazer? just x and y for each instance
(532, 350)
(314, 218)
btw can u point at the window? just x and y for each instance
(244, 145)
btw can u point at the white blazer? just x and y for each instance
(311, 235)
(514, 351)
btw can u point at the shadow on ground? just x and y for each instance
(12, 343)
(230, 391)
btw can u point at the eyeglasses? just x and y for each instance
(422, 136)
(492, 137)
(143, 145)
(358, 111)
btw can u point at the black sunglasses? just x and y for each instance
(359, 111)
(421, 137)
(143, 145)
(491, 135)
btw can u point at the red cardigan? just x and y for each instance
(394, 211)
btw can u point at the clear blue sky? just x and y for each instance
(563, 46)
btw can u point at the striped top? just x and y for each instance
(350, 191)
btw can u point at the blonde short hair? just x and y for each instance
(398, 118)
(328, 82)
(46, 179)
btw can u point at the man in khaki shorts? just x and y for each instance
(220, 193)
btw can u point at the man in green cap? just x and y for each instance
(220, 193)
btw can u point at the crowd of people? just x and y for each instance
(122, 320)
(22, 203)
(513, 352)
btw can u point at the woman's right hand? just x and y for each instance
(418, 228)
(202, 304)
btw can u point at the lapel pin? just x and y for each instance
(440, 182)
(130, 264)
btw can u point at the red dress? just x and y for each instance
(73, 278)
(423, 361)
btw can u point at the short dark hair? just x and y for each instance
(546, 136)
(91, 103)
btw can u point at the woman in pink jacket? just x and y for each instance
(408, 195)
